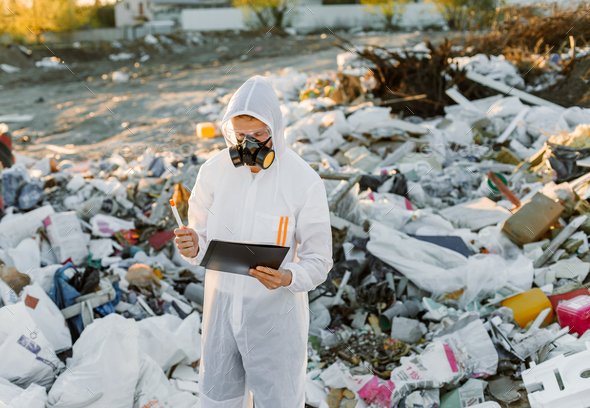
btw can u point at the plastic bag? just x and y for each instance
(439, 364)
(338, 376)
(65, 234)
(437, 269)
(11, 181)
(155, 391)
(492, 239)
(349, 207)
(427, 265)
(315, 394)
(44, 276)
(469, 334)
(64, 295)
(386, 212)
(319, 318)
(105, 225)
(87, 282)
(27, 356)
(29, 196)
(181, 337)
(363, 120)
(25, 256)
(563, 160)
(20, 226)
(105, 366)
(15, 397)
(47, 316)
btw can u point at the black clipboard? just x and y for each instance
(239, 257)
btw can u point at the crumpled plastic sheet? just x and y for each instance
(438, 270)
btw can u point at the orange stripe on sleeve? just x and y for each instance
(280, 229)
(285, 231)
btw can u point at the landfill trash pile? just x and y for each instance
(178, 47)
(460, 240)
(533, 38)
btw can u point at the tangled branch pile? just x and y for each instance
(403, 74)
(534, 28)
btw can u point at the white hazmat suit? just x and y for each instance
(255, 339)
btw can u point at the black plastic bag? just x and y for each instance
(400, 184)
(563, 161)
(86, 283)
(371, 181)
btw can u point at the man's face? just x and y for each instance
(243, 126)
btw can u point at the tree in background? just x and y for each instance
(28, 19)
(467, 14)
(105, 15)
(275, 13)
(97, 15)
(390, 11)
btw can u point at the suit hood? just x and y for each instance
(257, 98)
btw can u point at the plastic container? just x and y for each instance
(489, 189)
(575, 313)
(206, 129)
(528, 305)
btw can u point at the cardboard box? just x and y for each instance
(532, 219)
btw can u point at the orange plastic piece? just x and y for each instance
(528, 305)
(206, 129)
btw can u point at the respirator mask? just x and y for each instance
(251, 147)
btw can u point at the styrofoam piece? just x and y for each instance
(455, 95)
(489, 404)
(559, 382)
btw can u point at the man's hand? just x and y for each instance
(187, 241)
(271, 278)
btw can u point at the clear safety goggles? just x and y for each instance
(259, 135)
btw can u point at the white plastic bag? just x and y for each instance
(469, 334)
(315, 392)
(47, 316)
(27, 356)
(438, 365)
(386, 212)
(104, 368)
(24, 257)
(169, 340)
(427, 265)
(100, 248)
(65, 234)
(106, 225)
(155, 391)
(15, 397)
(20, 226)
(319, 318)
(362, 121)
(44, 276)
(492, 239)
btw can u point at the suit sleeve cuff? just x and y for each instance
(298, 279)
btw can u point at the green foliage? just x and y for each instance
(390, 11)
(27, 20)
(467, 14)
(98, 16)
(105, 15)
(269, 13)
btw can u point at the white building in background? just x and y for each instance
(134, 12)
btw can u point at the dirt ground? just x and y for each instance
(80, 113)
(573, 90)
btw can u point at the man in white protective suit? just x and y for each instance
(255, 328)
